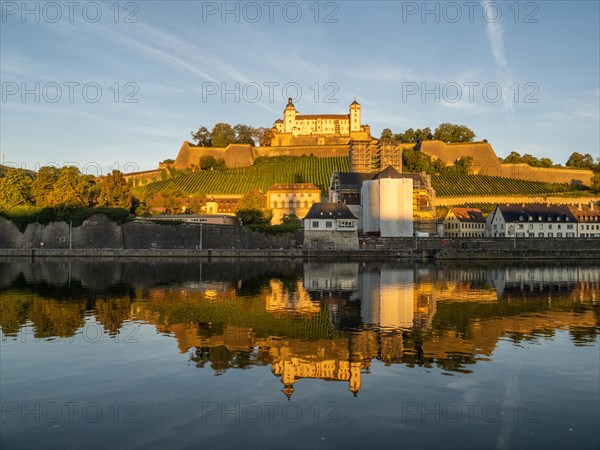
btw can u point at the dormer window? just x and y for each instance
(520, 218)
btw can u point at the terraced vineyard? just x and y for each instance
(261, 175)
(288, 169)
(452, 184)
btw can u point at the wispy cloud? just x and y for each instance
(494, 31)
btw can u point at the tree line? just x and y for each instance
(224, 134)
(576, 161)
(64, 187)
(446, 132)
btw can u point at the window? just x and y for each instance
(549, 234)
(531, 226)
(541, 226)
(550, 226)
(559, 235)
(329, 224)
(540, 234)
(315, 224)
(569, 227)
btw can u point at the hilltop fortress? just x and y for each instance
(329, 135)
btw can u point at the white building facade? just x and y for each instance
(387, 207)
(533, 221)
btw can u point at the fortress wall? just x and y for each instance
(145, 175)
(499, 199)
(243, 155)
(190, 154)
(485, 162)
(546, 174)
(484, 157)
(322, 151)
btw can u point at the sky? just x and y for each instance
(120, 85)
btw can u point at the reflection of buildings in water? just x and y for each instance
(400, 303)
(329, 278)
(388, 298)
(325, 359)
(574, 280)
(282, 300)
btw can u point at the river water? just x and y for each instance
(290, 354)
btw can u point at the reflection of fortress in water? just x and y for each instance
(325, 321)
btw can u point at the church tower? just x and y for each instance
(354, 116)
(289, 117)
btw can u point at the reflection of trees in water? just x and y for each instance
(14, 311)
(221, 358)
(111, 313)
(450, 339)
(56, 318)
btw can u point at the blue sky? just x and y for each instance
(533, 73)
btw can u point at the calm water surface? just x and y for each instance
(282, 354)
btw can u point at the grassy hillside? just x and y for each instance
(289, 169)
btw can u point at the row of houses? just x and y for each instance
(524, 221)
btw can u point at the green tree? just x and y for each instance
(580, 161)
(202, 137)
(251, 217)
(43, 184)
(291, 220)
(263, 136)
(255, 201)
(595, 185)
(513, 158)
(223, 134)
(244, 134)
(424, 134)
(386, 134)
(409, 136)
(71, 188)
(15, 190)
(171, 200)
(464, 164)
(449, 132)
(211, 163)
(115, 191)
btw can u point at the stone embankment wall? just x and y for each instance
(486, 248)
(100, 237)
(98, 232)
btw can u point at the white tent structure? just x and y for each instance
(387, 205)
